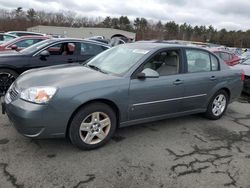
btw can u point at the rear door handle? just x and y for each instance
(212, 78)
(178, 82)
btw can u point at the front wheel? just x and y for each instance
(92, 126)
(217, 105)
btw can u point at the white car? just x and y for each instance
(245, 66)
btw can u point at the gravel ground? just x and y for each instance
(189, 151)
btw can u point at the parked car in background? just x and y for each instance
(245, 66)
(25, 33)
(245, 55)
(228, 57)
(125, 85)
(46, 53)
(116, 41)
(99, 40)
(6, 37)
(21, 43)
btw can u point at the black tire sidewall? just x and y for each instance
(209, 113)
(81, 115)
(13, 73)
(10, 72)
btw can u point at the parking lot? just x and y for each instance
(189, 151)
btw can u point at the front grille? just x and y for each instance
(13, 93)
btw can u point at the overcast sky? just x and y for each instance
(229, 14)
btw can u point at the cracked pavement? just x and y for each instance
(189, 151)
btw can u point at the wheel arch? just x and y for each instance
(108, 102)
(10, 68)
(227, 90)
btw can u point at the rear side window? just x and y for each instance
(201, 61)
(91, 49)
(214, 63)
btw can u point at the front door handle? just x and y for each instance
(178, 82)
(213, 78)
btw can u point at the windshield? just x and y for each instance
(246, 62)
(117, 60)
(37, 46)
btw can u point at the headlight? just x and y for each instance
(38, 95)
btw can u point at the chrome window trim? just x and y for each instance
(167, 100)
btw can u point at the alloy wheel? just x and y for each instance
(219, 105)
(95, 128)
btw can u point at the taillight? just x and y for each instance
(243, 75)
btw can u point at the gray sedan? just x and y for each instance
(126, 85)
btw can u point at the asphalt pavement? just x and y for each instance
(189, 151)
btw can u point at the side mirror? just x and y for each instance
(148, 73)
(14, 47)
(44, 53)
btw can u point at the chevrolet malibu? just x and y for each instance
(125, 85)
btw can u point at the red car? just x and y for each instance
(21, 42)
(229, 58)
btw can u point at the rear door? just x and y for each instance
(202, 75)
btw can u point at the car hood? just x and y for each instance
(62, 76)
(9, 53)
(246, 68)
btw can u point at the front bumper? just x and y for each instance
(35, 120)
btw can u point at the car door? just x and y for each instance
(202, 75)
(89, 50)
(59, 53)
(157, 96)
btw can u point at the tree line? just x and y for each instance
(19, 19)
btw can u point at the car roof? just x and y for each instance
(33, 36)
(219, 50)
(78, 39)
(24, 32)
(7, 34)
(158, 45)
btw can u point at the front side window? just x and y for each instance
(62, 49)
(165, 63)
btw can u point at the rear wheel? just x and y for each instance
(217, 105)
(92, 126)
(7, 77)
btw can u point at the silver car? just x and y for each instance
(125, 85)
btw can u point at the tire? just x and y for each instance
(88, 132)
(210, 114)
(7, 77)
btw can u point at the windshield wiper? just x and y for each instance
(96, 68)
